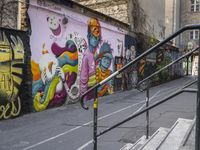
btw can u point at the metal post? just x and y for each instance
(95, 106)
(187, 66)
(197, 136)
(147, 113)
(191, 61)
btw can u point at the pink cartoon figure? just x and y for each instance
(88, 69)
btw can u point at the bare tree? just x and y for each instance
(8, 13)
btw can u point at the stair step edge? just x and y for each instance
(176, 134)
(155, 140)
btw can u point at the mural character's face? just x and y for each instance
(94, 34)
(133, 52)
(95, 30)
(93, 42)
(132, 48)
(54, 25)
(95, 27)
(105, 63)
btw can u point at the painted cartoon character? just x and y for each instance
(81, 45)
(67, 55)
(56, 25)
(88, 78)
(104, 61)
(49, 88)
(130, 74)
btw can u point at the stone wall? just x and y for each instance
(8, 17)
(114, 8)
(13, 14)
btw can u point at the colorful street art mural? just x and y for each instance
(130, 75)
(70, 53)
(56, 72)
(11, 69)
(159, 59)
(88, 69)
(104, 60)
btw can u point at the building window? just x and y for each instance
(194, 5)
(194, 35)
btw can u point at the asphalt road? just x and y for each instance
(69, 127)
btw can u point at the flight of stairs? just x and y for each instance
(174, 138)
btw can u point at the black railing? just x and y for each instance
(181, 90)
(94, 88)
(169, 65)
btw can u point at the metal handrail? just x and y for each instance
(187, 27)
(95, 87)
(169, 65)
(179, 91)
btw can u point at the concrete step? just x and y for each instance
(163, 138)
(127, 146)
(139, 143)
(188, 142)
(176, 135)
(136, 145)
(155, 140)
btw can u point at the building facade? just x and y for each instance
(190, 14)
(155, 16)
(134, 12)
(172, 19)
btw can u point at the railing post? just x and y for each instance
(197, 136)
(187, 66)
(147, 113)
(95, 106)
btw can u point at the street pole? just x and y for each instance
(197, 136)
(147, 113)
(95, 106)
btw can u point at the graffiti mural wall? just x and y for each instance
(157, 60)
(12, 48)
(130, 75)
(70, 53)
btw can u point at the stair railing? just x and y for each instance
(95, 87)
(152, 75)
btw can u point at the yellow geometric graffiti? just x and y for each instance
(5, 49)
(11, 58)
(10, 109)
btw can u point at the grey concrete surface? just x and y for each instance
(69, 127)
(176, 136)
(156, 139)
